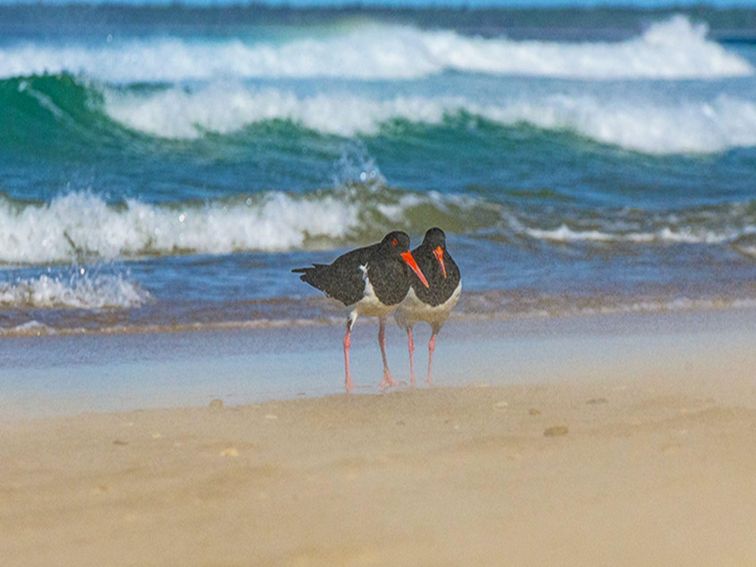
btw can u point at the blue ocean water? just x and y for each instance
(165, 167)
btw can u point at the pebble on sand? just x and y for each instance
(555, 431)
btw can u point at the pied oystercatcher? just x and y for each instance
(370, 281)
(430, 303)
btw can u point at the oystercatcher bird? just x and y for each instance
(431, 304)
(370, 281)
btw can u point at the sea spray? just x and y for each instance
(78, 289)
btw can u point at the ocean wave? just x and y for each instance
(85, 111)
(81, 226)
(643, 125)
(682, 235)
(732, 225)
(672, 49)
(80, 291)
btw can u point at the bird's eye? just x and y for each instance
(394, 242)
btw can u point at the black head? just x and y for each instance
(434, 238)
(396, 242)
(435, 243)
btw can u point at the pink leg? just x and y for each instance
(347, 343)
(431, 348)
(411, 348)
(388, 379)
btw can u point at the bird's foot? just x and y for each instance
(388, 381)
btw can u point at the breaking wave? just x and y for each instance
(671, 49)
(683, 235)
(83, 227)
(85, 114)
(732, 225)
(640, 125)
(80, 291)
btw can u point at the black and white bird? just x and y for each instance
(370, 281)
(430, 302)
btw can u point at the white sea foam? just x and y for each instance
(672, 49)
(639, 124)
(224, 108)
(81, 291)
(676, 235)
(30, 328)
(746, 250)
(83, 225)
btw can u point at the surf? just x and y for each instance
(64, 113)
(641, 124)
(80, 227)
(77, 290)
(672, 49)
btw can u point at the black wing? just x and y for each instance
(343, 280)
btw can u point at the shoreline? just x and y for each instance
(66, 375)
(639, 306)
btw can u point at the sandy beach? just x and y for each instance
(198, 197)
(643, 467)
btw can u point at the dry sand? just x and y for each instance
(658, 472)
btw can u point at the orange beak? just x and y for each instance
(439, 254)
(409, 259)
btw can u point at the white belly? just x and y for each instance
(412, 310)
(369, 305)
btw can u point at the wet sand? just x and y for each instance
(650, 463)
(65, 375)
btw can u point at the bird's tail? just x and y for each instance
(312, 275)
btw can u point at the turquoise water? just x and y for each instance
(166, 167)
